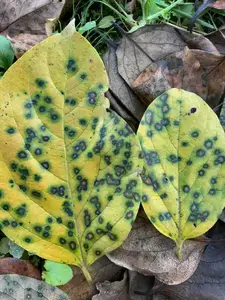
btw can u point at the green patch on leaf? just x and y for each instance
(106, 22)
(56, 274)
(88, 26)
(183, 146)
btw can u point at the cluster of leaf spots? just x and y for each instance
(183, 146)
(69, 166)
(21, 287)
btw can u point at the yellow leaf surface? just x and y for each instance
(68, 164)
(183, 147)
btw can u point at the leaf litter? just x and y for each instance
(158, 57)
(23, 21)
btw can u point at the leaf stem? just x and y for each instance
(119, 14)
(179, 244)
(164, 11)
(86, 274)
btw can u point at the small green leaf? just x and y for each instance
(4, 246)
(15, 250)
(151, 8)
(56, 273)
(106, 22)
(87, 26)
(6, 53)
(183, 146)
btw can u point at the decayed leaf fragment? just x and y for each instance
(183, 178)
(69, 166)
(116, 290)
(178, 70)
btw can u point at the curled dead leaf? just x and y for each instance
(122, 98)
(117, 290)
(145, 46)
(218, 40)
(214, 67)
(23, 22)
(28, 15)
(180, 70)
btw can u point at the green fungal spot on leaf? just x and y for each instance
(186, 188)
(70, 164)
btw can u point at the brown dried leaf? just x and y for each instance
(145, 46)
(155, 58)
(122, 98)
(140, 286)
(180, 70)
(27, 17)
(149, 252)
(11, 265)
(79, 289)
(218, 40)
(15, 287)
(117, 290)
(202, 43)
(214, 67)
(23, 42)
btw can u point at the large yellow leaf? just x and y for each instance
(183, 146)
(69, 183)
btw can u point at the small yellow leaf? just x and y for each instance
(69, 181)
(183, 146)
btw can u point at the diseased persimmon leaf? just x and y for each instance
(183, 147)
(69, 180)
(17, 287)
